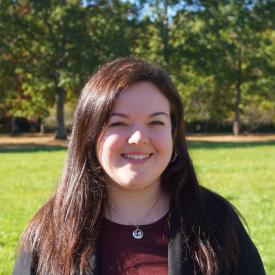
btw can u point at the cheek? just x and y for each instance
(164, 142)
(107, 146)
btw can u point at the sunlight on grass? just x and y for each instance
(26, 181)
(243, 173)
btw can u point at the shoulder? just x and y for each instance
(216, 208)
(249, 260)
(222, 212)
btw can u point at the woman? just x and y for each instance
(129, 201)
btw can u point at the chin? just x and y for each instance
(137, 184)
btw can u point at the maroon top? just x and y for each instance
(121, 254)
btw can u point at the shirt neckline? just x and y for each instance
(112, 223)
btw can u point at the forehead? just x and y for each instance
(142, 97)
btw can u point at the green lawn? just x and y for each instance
(242, 172)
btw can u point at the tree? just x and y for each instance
(57, 44)
(44, 37)
(223, 40)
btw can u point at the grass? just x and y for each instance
(241, 172)
(27, 178)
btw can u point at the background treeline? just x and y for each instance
(220, 53)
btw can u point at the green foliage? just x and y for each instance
(40, 40)
(221, 54)
(224, 42)
(51, 46)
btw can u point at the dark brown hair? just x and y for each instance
(62, 234)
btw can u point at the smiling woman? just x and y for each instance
(129, 201)
(136, 145)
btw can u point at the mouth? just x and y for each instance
(134, 156)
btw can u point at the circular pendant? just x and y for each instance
(138, 233)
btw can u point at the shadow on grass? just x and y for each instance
(30, 148)
(218, 145)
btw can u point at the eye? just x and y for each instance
(117, 124)
(156, 122)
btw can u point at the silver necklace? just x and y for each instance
(137, 232)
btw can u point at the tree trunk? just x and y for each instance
(205, 126)
(42, 127)
(162, 24)
(14, 127)
(165, 38)
(237, 120)
(60, 131)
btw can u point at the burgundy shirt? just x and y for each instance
(121, 254)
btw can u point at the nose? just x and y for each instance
(138, 136)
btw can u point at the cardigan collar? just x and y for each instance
(175, 245)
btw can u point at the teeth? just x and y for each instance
(130, 156)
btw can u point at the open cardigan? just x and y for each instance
(248, 261)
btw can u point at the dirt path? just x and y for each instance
(231, 138)
(31, 140)
(48, 139)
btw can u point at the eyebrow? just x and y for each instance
(151, 115)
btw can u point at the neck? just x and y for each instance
(137, 207)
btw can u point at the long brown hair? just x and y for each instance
(62, 234)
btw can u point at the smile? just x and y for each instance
(136, 156)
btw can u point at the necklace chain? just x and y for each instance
(137, 233)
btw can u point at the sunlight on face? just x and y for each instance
(136, 146)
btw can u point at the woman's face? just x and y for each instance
(136, 146)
